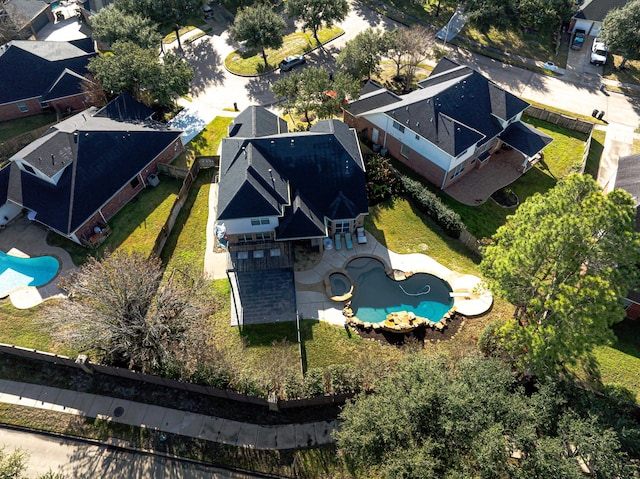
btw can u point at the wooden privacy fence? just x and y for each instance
(559, 119)
(13, 145)
(90, 368)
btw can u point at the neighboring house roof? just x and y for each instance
(125, 108)
(524, 138)
(303, 177)
(22, 12)
(628, 176)
(89, 158)
(32, 69)
(255, 121)
(455, 108)
(597, 9)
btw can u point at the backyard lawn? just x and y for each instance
(11, 128)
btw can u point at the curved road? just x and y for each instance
(77, 459)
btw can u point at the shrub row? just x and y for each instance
(431, 205)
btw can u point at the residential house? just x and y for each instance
(83, 170)
(448, 127)
(628, 178)
(591, 13)
(24, 18)
(276, 188)
(38, 75)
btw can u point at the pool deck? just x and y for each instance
(315, 304)
(28, 239)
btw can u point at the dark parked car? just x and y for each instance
(207, 11)
(578, 39)
(292, 61)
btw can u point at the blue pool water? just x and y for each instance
(16, 272)
(376, 295)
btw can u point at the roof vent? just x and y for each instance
(75, 136)
(407, 121)
(417, 124)
(406, 108)
(39, 159)
(53, 159)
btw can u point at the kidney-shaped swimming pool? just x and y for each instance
(16, 272)
(376, 295)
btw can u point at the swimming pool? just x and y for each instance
(16, 272)
(375, 295)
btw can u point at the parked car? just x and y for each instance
(599, 52)
(207, 11)
(292, 61)
(578, 39)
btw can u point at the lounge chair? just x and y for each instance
(338, 241)
(362, 237)
(347, 240)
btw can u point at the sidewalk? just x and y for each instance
(174, 421)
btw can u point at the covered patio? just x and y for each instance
(522, 147)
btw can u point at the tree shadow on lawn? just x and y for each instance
(628, 334)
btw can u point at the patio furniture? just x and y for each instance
(347, 240)
(362, 237)
(338, 241)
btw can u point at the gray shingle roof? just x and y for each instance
(93, 156)
(628, 176)
(255, 121)
(525, 139)
(455, 108)
(30, 69)
(322, 169)
(598, 9)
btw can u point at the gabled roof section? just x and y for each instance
(628, 176)
(255, 121)
(125, 108)
(300, 222)
(94, 158)
(30, 68)
(524, 138)
(323, 167)
(455, 108)
(67, 84)
(597, 9)
(373, 99)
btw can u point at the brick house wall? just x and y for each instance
(128, 192)
(10, 111)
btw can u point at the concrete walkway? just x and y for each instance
(617, 143)
(174, 421)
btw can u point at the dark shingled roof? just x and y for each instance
(125, 108)
(91, 158)
(30, 69)
(455, 108)
(4, 184)
(255, 121)
(322, 168)
(597, 9)
(525, 139)
(628, 176)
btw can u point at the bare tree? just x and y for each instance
(421, 41)
(399, 47)
(121, 307)
(93, 91)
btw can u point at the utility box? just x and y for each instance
(153, 180)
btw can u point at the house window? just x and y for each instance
(457, 170)
(404, 151)
(259, 221)
(262, 236)
(28, 168)
(245, 237)
(135, 182)
(342, 226)
(22, 107)
(398, 127)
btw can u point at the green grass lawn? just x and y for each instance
(538, 46)
(630, 73)
(252, 63)
(205, 143)
(11, 128)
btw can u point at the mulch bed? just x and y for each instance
(423, 333)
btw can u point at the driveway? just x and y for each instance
(580, 67)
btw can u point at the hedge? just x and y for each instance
(427, 202)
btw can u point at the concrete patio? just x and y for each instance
(502, 168)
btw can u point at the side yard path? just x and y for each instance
(168, 420)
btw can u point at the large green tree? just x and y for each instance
(317, 13)
(164, 12)
(564, 260)
(361, 56)
(621, 30)
(141, 72)
(315, 90)
(436, 418)
(112, 24)
(260, 26)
